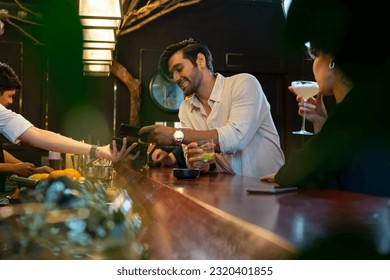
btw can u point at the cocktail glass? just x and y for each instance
(306, 89)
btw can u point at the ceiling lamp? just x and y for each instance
(97, 67)
(96, 70)
(104, 23)
(100, 19)
(109, 62)
(97, 54)
(103, 9)
(99, 35)
(99, 45)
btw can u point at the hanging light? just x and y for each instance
(99, 45)
(104, 23)
(99, 35)
(97, 54)
(97, 67)
(100, 9)
(108, 62)
(96, 70)
(100, 13)
(100, 19)
(97, 74)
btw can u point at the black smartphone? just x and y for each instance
(130, 140)
(269, 188)
(132, 131)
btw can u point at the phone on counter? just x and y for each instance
(132, 131)
(269, 188)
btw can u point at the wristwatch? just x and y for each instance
(93, 152)
(178, 136)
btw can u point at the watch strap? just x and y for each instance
(92, 151)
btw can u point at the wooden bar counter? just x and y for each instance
(213, 217)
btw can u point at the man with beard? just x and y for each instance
(233, 111)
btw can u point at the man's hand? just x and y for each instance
(194, 155)
(160, 134)
(166, 159)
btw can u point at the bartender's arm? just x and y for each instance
(15, 166)
(51, 141)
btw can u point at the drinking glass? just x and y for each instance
(208, 154)
(148, 151)
(306, 89)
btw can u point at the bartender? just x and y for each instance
(8, 163)
(16, 128)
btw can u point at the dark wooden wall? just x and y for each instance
(240, 34)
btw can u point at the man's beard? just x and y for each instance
(188, 89)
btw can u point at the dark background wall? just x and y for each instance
(240, 34)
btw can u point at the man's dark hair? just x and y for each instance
(8, 78)
(191, 48)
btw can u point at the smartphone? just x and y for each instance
(132, 131)
(270, 189)
(119, 143)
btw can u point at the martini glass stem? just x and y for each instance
(303, 128)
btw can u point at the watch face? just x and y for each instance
(178, 135)
(168, 96)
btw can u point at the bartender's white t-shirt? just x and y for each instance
(12, 125)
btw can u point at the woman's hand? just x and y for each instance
(315, 110)
(268, 178)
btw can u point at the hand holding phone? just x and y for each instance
(132, 131)
(130, 141)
